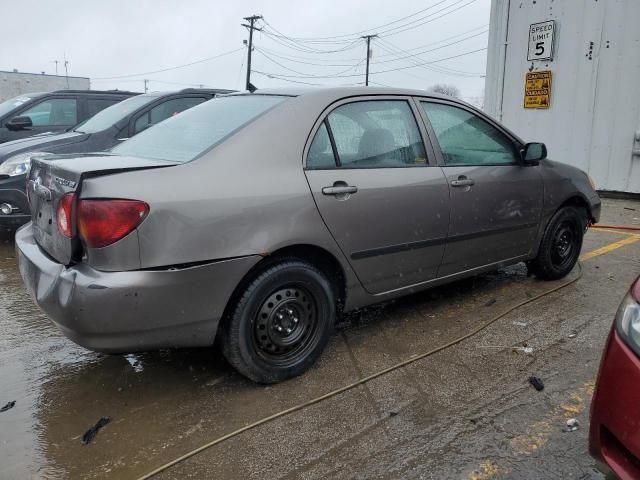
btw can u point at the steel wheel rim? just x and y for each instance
(563, 246)
(285, 325)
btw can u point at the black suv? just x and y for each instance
(99, 133)
(34, 113)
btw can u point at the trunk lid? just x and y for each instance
(53, 176)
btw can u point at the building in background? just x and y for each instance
(16, 83)
(567, 73)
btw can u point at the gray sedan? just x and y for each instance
(258, 218)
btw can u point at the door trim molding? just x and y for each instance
(402, 247)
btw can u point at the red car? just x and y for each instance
(615, 411)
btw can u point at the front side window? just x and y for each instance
(376, 134)
(186, 136)
(165, 110)
(53, 112)
(466, 139)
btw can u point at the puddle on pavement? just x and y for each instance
(164, 403)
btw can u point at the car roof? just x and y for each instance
(340, 92)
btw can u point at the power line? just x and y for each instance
(170, 68)
(268, 57)
(392, 49)
(313, 61)
(384, 71)
(302, 43)
(359, 33)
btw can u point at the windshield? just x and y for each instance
(8, 105)
(190, 133)
(113, 114)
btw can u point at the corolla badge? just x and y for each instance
(64, 182)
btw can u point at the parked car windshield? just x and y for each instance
(113, 114)
(8, 105)
(185, 136)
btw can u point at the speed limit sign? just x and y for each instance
(541, 41)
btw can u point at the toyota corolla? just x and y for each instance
(258, 218)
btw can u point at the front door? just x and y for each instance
(380, 194)
(496, 201)
(50, 115)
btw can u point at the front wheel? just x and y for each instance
(560, 245)
(280, 323)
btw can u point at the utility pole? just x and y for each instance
(146, 82)
(56, 62)
(368, 37)
(252, 19)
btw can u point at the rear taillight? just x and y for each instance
(63, 215)
(102, 222)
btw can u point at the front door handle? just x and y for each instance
(462, 181)
(339, 190)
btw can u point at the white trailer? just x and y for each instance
(589, 115)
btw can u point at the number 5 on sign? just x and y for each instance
(541, 41)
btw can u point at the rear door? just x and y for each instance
(496, 201)
(379, 191)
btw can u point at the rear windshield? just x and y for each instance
(8, 105)
(185, 136)
(113, 114)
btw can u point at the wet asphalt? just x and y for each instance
(467, 412)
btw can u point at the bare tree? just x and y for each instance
(445, 89)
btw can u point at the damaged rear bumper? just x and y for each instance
(130, 311)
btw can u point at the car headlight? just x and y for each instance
(628, 319)
(18, 164)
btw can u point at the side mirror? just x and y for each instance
(532, 153)
(19, 123)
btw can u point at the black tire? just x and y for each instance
(280, 323)
(560, 245)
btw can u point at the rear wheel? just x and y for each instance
(560, 245)
(280, 323)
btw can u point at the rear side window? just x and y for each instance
(95, 105)
(53, 112)
(165, 110)
(320, 152)
(466, 139)
(376, 134)
(184, 137)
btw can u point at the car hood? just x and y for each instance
(44, 142)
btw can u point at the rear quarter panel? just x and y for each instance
(247, 196)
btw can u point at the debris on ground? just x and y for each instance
(93, 431)
(393, 413)
(519, 324)
(524, 349)
(490, 302)
(573, 335)
(571, 426)
(8, 406)
(537, 383)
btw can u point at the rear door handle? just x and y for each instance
(341, 190)
(462, 181)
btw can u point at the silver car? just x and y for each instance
(259, 218)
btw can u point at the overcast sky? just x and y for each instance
(133, 37)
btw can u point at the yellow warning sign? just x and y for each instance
(537, 89)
